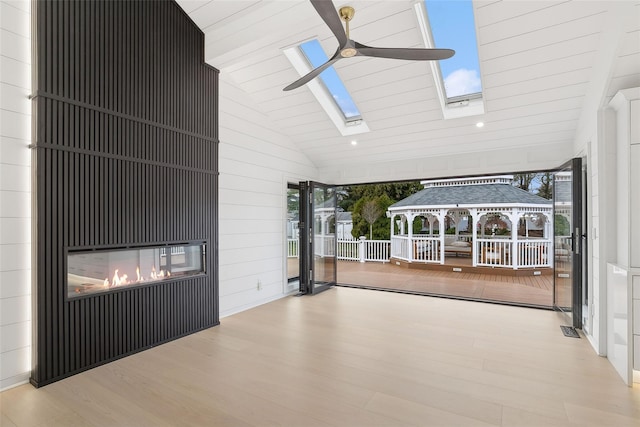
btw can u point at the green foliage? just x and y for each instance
(293, 201)
(561, 226)
(417, 225)
(546, 185)
(350, 195)
(380, 228)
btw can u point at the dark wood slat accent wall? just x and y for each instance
(126, 140)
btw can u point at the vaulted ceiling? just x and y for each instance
(542, 63)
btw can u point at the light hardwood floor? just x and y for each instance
(348, 357)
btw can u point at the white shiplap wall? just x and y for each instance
(15, 193)
(256, 162)
(543, 156)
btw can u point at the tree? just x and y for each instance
(561, 226)
(524, 180)
(380, 228)
(293, 201)
(351, 194)
(371, 212)
(546, 185)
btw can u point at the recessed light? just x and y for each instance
(479, 124)
(354, 142)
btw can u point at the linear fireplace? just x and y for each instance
(100, 270)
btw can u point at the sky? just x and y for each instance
(313, 51)
(452, 27)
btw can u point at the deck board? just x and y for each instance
(533, 290)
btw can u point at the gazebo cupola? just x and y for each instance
(489, 219)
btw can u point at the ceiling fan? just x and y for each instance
(349, 48)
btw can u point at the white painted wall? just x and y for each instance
(543, 156)
(623, 310)
(256, 161)
(15, 193)
(619, 52)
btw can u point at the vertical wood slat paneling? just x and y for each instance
(126, 154)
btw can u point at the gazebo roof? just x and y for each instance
(343, 217)
(471, 194)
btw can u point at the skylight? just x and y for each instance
(316, 56)
(450, 24)
(327, 88)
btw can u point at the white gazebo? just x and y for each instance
(493, 222)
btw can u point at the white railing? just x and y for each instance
(401, 247)
(293, 248)
(375, 250)
(531, 253)
(324, 245)
(494, 252)
(349, 250)
(426, 249)
(534, 253)
(174, 250)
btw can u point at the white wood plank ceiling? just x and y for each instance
(541, 62)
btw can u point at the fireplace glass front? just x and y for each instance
(90, 272)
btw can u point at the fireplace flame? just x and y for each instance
(123, 279)
(116, 279)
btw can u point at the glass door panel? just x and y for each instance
(293, 237)
(317, 237)
(324, 236)
(567, 204)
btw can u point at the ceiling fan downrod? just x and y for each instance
(346, 14)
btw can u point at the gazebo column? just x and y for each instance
(547, 226)
(392, 218)
(473, 213)
(483, 224)
(393, 229)
(514, 217)
(441, 215)
(430, 218)
(548, 236)
(410, 218)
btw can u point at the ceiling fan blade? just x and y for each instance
(405, 53)
(329, 15)
(313, 73)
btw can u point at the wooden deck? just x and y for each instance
(529, 289)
